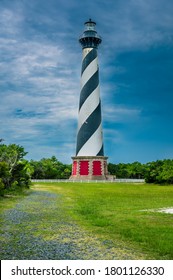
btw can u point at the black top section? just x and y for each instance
(90, 22)
(90, 38)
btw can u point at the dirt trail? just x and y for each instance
(36, 228)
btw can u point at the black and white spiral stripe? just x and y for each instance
(89, 138)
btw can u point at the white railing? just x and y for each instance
(88, 181)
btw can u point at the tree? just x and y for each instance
(4, 176)
(11, 154)
(153, 169)
(50, 168)
(14, 170)
(136, 170)
(127, 170)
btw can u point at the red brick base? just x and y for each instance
(89, 168)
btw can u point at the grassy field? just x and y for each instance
(114, 213)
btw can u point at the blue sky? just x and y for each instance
(40, 66)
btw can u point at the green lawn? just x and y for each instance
(114, 212)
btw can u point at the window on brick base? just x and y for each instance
(97, 168)
(84, 167)
(74, 168)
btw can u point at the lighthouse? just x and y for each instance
(89, 163)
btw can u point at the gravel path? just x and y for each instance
(36, 229)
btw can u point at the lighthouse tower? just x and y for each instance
(89, 162)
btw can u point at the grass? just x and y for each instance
(114, 212)
(11, 198)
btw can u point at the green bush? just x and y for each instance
(2, 187)
(15, 171)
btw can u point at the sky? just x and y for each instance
(40, 66)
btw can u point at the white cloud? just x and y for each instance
(135, 24)
(40, 89)
(113, 135)
(117, 113)
(10, 21)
